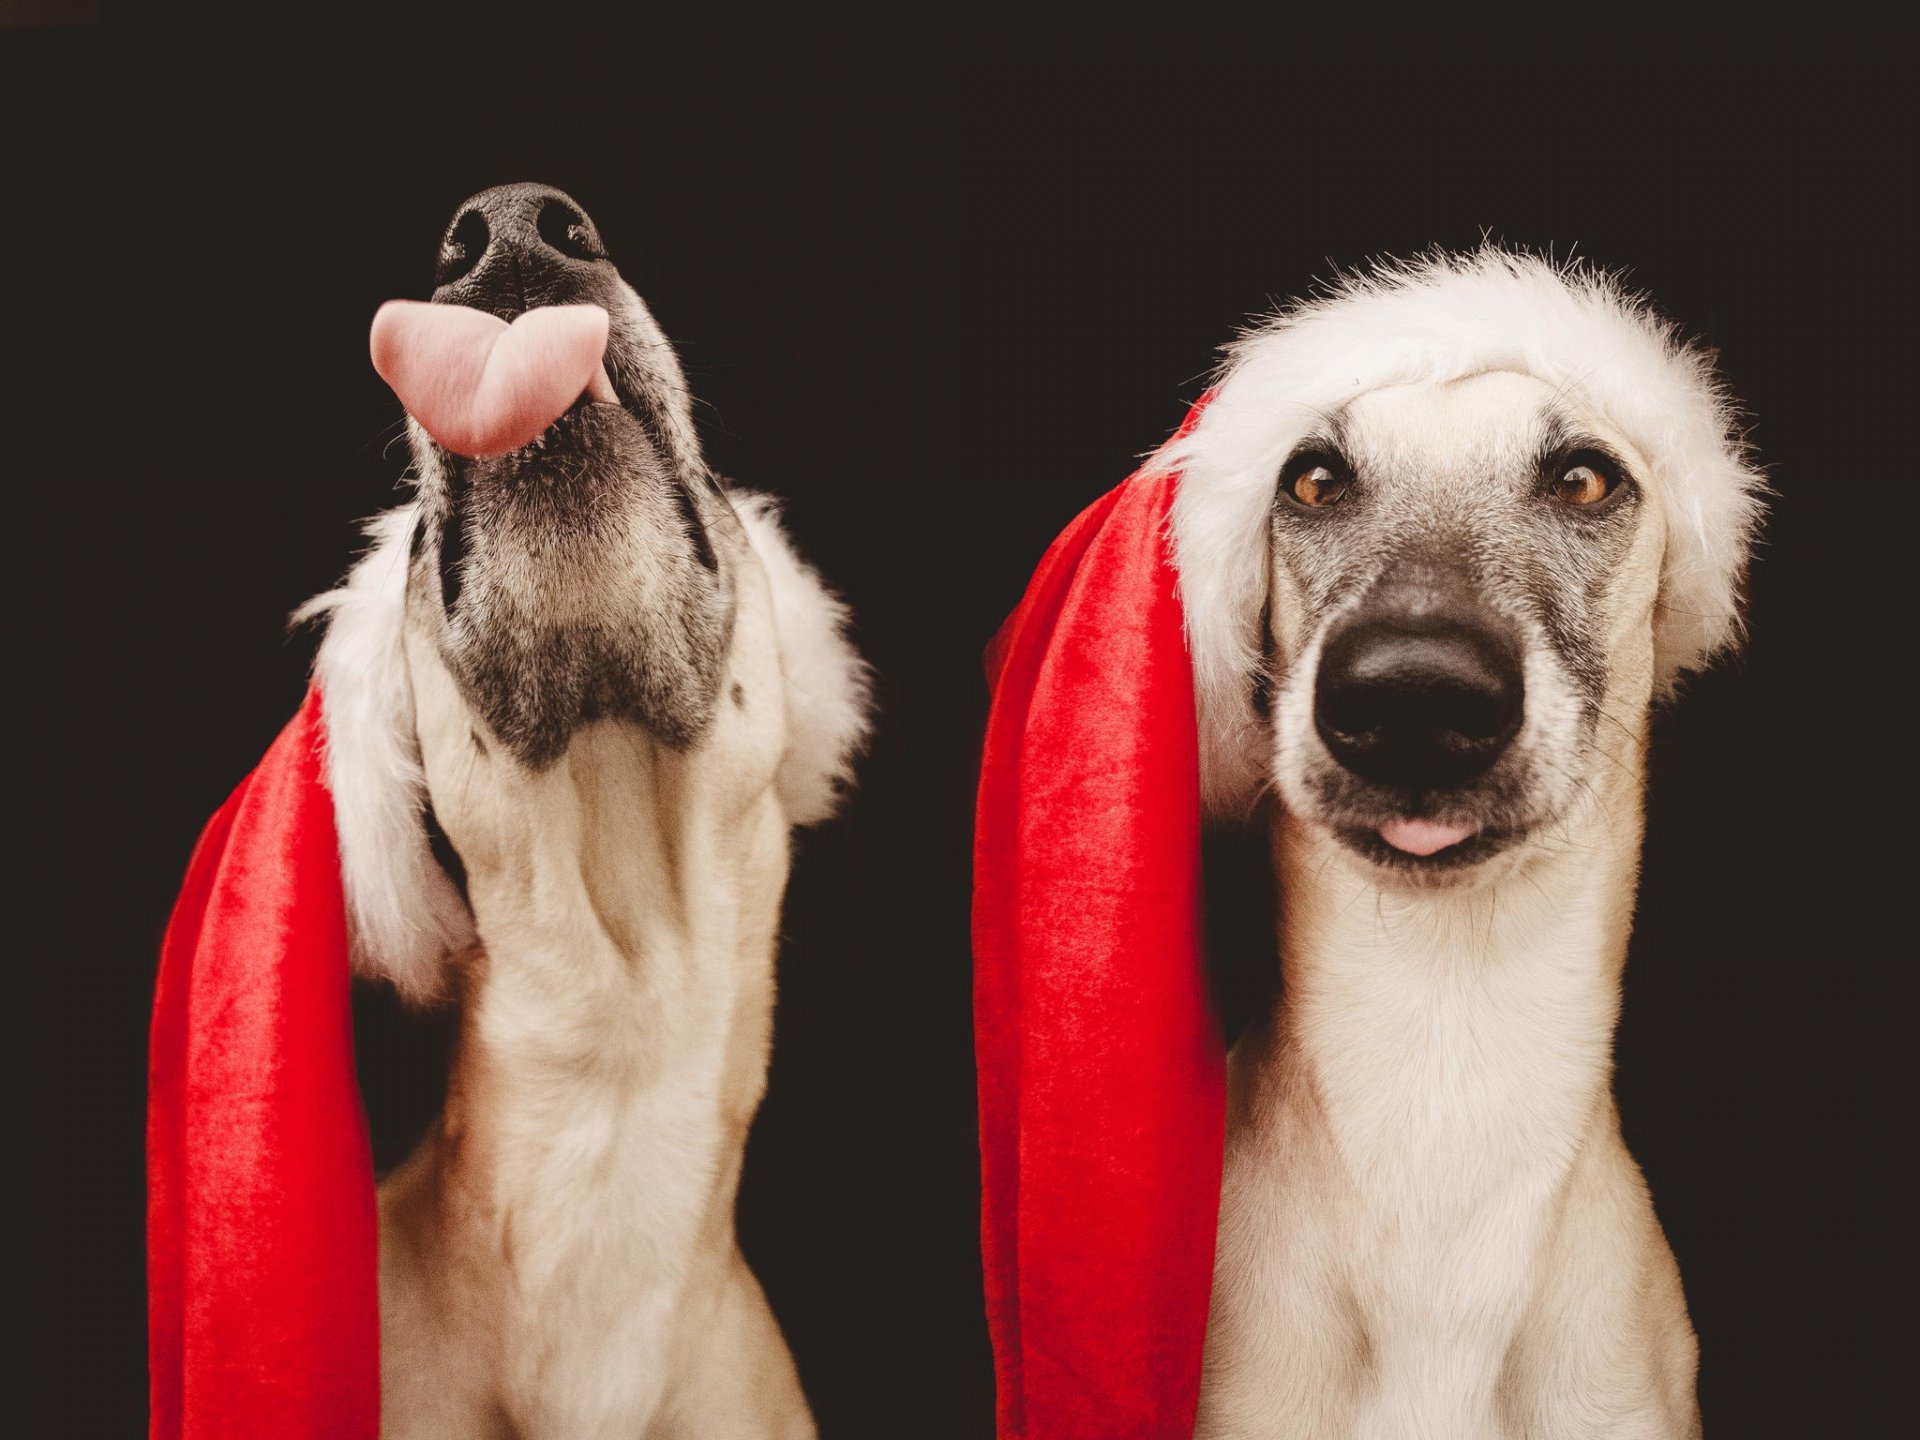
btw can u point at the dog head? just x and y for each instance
(598, 574)
(1442, 536)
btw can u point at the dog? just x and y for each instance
(604, 688)
(1444, 536)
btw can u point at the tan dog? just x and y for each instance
(615, 689)
(1443, 539)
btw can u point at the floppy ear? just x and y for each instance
(405, 916)
(828, 686)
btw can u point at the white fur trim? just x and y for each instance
(405, 917)
(829, 688)
(1431, 320)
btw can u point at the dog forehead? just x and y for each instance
(1483, 425)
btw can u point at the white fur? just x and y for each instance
(1429, 321)
(828, 691)
(405, 917)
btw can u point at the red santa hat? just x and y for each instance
(260, 1227)
(263, 1316)
(1123, 709)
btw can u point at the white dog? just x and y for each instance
(614, 688)
(1443, 538)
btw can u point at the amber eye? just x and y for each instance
(1584, 484)
(1315, 485)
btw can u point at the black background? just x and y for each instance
(940, 291)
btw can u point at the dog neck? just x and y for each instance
(616, 1014)
(624, 942)
(1455, 1042)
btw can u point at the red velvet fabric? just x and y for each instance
(262, 1305)
(1101, 1065)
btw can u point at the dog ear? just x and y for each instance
(829, 691)
(405, 915)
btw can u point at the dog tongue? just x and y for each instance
(480, 386)
(1423, 837)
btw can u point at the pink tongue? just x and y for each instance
(1423, 837)
(480, 386)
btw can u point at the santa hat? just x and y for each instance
(263, 1313)
(1124, 707)
(262, 1268)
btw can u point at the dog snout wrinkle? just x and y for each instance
(1420, 688)
(515, 247)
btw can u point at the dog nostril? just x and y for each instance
(565, 229)
(1422, 711)
(462, 248)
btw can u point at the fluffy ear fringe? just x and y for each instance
(1435, 319)
(829, 691)
(405, 918)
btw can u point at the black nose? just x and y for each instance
(1420, 687)
(515, 247)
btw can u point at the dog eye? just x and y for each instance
(1585, 483)
(1314, 484)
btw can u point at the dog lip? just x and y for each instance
(1483, 844)
(612, 397)
(1420, 836)
(557, 428)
